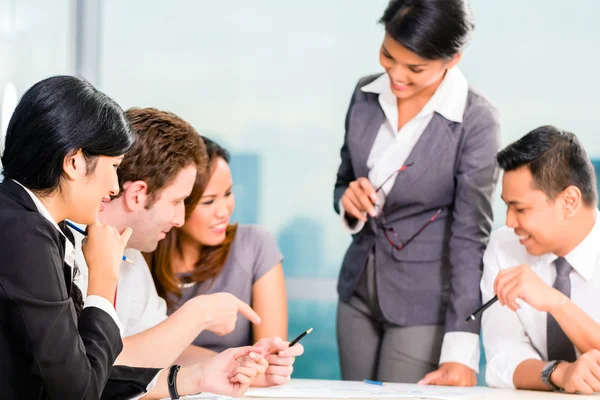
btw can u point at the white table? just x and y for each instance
(312, 387)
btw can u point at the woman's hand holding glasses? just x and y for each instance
(360, 199)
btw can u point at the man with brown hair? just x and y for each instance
(156, 177)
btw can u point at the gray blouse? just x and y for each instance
(253, 253)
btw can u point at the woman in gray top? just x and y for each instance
(208, 255)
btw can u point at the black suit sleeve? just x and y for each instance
(68, 361)
(127, 382)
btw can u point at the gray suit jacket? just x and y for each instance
(435, 278)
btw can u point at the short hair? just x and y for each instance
(164, 145)
(57, 117)
(432, 29)
(556, 160)
(212, 258)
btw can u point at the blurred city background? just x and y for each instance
(271, 81)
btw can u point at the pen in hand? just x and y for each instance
(481, 309)
(84, 233)
(274, 350)
(293, 342)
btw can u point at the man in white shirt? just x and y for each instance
(543, 333)
(155, 178)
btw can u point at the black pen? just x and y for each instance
(481, 309)
(84, 233)
(293, 342)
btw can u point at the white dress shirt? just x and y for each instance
(510, 338)
(390, 150)
(138, 305)
(91, 301)
(392, 146)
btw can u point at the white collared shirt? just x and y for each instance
(138, 304)
(392, 146)
(390, 151)
(510, 338)
(90, 301)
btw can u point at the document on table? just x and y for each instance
(205, 396)
(348, 390)
(299, 388)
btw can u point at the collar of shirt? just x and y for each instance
(449, 100)
(583, 257)
(69, 248)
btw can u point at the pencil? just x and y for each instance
(84, 233)
(481, 309)
(293, 342)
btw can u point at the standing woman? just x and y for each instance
(414, 188)
(63, 146)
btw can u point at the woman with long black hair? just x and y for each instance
(63, 145)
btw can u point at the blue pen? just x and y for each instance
(84, 233)
(370, 382)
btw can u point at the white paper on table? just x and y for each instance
(346, 390)
(205, 396)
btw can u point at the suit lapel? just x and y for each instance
(68, 276)
(365, 121)
(436, 137)
(68, 268)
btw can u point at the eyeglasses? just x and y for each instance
(390, 233)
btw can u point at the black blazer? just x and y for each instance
(45, 352)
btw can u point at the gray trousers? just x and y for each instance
(372, 348)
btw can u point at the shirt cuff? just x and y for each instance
(352, 228)
(461, 347)
(149, 387)
(500, 370)
(106, 306)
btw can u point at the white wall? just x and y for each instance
(274, 77)
(36, 39)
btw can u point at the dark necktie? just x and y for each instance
(560, 346)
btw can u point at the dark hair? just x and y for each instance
(164, 145)
(212, 258)
(433, 29)
(55, 118)
(215, 151)
(556, 160)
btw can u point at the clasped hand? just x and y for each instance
(280, 358)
